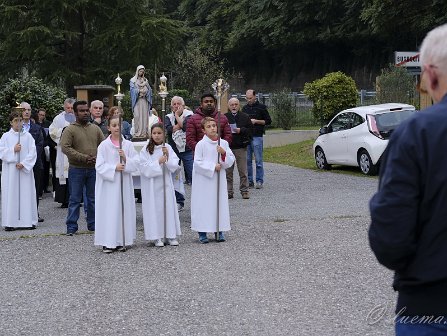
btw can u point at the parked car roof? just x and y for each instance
(379, 108)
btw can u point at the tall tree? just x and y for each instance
(84, 41)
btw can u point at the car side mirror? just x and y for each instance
(324, 130)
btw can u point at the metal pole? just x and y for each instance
(121, 178)
(119, 96)
(163, 102)
(18, 161)
(218, 161)
(219, 87)
(163, 94)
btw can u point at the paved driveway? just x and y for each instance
(297, 262)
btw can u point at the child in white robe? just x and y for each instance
(19, 207)
(108, 214)
(152, 159)
(204, 189)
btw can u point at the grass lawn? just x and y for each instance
(301, 155)
(295, 128)
(297, 155)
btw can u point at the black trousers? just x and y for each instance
(52, 162)
(45, 176)
(37, 182)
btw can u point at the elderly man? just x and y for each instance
(241, 129)
(408, 232)
(80, 143)
(60, 174)
(177, 139)
(37, 133)
(259, 118)
(96, 112)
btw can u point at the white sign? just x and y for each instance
(407, 58)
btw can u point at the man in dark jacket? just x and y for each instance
(37, 133)
(241, 129)
(194, 132)
(45, 124)
(260, 118)
(408, 232)
(97, 118)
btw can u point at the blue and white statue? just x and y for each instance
(141, 97)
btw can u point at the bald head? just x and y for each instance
(250, 95)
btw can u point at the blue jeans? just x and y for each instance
(404, 327)
(84, 198)
(80, 178)
(255, 147)
(188, 161)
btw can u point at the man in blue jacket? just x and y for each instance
(408, 232)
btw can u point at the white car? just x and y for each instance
(358, 136)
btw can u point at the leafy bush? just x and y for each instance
(32, 90)
(284, 110)
(331, 94)
(395, 85)
(126, 105)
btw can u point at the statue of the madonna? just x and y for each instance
(141, 97)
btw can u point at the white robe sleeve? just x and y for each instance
(103, 168)
(132, 158)
(149, 165)
(55, 129)
(172, 163)
(229, 156)
(201, 165)
(7, 153)
(28, 160)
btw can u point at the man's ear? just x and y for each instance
(433, 79)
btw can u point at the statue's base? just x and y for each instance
(138, 139)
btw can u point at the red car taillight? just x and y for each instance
(372, 126)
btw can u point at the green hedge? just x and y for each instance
(331, 94)
(32, 90)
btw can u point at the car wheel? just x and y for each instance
(320, 159)
(365, 163)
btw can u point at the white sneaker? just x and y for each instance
(159, 243)
(173, 242)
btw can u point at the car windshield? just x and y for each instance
(388, 121)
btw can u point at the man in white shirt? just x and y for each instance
(61, 121)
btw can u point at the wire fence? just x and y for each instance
(302, 112)
(302, 115)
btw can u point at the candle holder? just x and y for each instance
(119, 96)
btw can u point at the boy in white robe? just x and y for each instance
(205, 172)
(18, 155)
(108, 216)
(152, 158)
